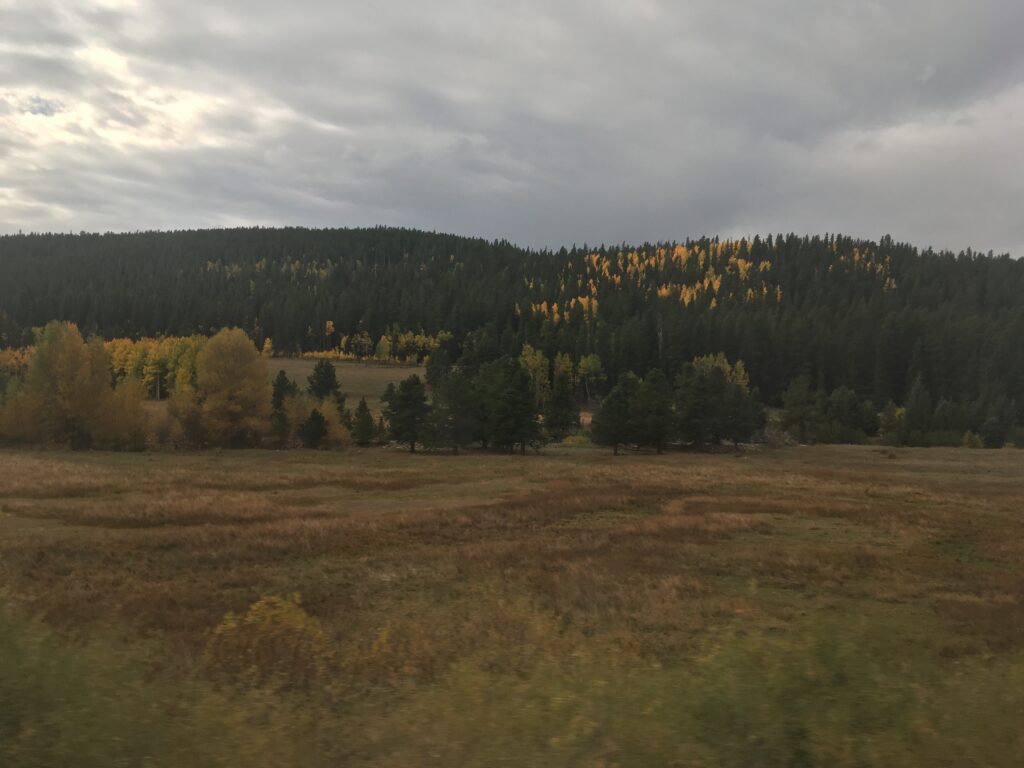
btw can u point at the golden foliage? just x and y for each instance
(297, 409)
(65, 397)
(230, 402)
(276, 642)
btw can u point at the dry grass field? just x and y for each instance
(806, 606)
(357, 379)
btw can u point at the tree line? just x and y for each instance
(869, 316)
(66, 390)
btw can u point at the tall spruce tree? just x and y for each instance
(363, 430)
(323, 384)
(453, 413)
(562, 412)
(612, 424)
(651, 411)
(918, 417)
(513, 414)
(283, 388)
(406, 410)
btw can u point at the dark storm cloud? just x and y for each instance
(546, 123)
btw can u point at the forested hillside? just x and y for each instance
(871, 316)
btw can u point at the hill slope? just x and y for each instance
(871, 315)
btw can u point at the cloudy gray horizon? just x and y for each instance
(546, 124)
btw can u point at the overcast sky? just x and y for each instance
(546, 123)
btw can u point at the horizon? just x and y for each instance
(921, 249)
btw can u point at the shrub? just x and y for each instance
(275, 643)
(580, 438)
(972, 440)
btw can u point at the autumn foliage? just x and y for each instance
(274, 642)
(66, 398)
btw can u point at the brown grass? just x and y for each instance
(418, 565)
(170, 543)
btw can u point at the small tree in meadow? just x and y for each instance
(363, 429)
(406, 410)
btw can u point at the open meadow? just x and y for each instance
(357, 379)
(803, 606)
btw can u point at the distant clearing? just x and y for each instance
(357, 379)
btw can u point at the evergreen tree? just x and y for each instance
(918, 417)
(406, 410)
(313, 430)
(612, 424)
(651, 411)
(323, 381)
(562, 413)
(804, 410)
(452, 420)
(741, 415)
(283, 388)
(701, 404)
(512, 416)
(438, 366)
(363, 430)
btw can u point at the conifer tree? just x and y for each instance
(452, 419)
(651, 411)
(804, 410)
(406, 410)
(313, 430)
(363, 430)
(612, 424)
(323, 381)
(513, 414)
(323, 384)
(283, 388)
(562, 413)
(918, 417)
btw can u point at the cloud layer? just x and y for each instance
(545, 123)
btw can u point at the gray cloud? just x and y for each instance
(546, 123)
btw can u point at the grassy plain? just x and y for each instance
(803, 606)
(357, 379)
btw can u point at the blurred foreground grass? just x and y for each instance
(829, 698)
(832, 607)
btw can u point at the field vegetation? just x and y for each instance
(834, 605)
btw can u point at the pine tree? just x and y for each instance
(282, 387)
(612, 424)
(453, 412)
(513, 413)
(313, 430)
(740, 415)
(700, 397)
(323, 381)
(651, 411)
(363, 430)
(562, 413)
(918, 417)
(407, 410)
(804, 411)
